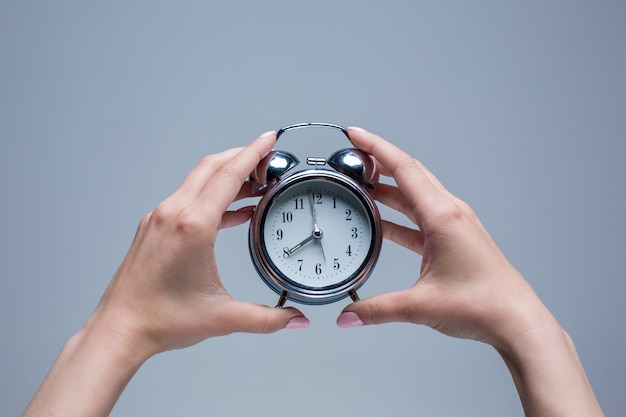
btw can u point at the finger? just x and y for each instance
(408, 306)
(435, 180)
(198, 177)
(392, 197)
(383, 308)
(415, 183)
(237, 217)
(232, 218)
(226, 184)
(385, 172)
(255, 318)
(245, 191)
(382, 170)
(411, 239)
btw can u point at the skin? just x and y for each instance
(467, 289)
(167, 293)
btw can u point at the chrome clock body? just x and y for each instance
(316, 234)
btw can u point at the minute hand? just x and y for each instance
(317, 232)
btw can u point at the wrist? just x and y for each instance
(120, 337)
(544, 364)
(90, 373)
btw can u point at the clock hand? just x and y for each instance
(313, 212)
(317, 232)
(301, 244)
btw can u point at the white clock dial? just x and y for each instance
(317, 234)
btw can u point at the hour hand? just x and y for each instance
(315, 234)
(301, 244)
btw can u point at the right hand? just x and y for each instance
(466, 287)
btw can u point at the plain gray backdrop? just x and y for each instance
(518, 107)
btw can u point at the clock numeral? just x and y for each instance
(279, 234)
(348, 214)
(287, 217)
(299, 203)
(318, 198)
(318, 269)
(355, 233)
(336, 263)
(286, 253)
(349, 251)
(334, 202)
(300, 262)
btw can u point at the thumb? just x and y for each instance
(256, 318)
(400, 306)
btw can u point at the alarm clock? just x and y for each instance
(316, 233)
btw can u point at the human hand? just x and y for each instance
(466, 287)
(167, 293)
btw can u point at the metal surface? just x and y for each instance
(351, 161)
(351, 168)
(311, 124)
(272, 167)
(282, 284)
(356, 164)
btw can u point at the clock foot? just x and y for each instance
(283, 299)
(354, 295)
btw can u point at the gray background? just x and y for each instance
(518, 107)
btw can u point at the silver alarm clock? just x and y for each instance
(316, 233)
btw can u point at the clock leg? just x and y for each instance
(354, 295)
(283, 299)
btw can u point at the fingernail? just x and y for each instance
(246, 208)
(269, 133)
(298, 322)
(349, 319)
(357, 129)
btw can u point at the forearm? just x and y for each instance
(88, 377)
(548, 374)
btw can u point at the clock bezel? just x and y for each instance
(287, 287)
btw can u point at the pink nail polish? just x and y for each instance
(357, 129)
(298, 322)
(266, 134)
(349, 319)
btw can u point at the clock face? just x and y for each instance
(317, 233)
(315, 237)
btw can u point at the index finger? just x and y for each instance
(226, 184)
(423, 192)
